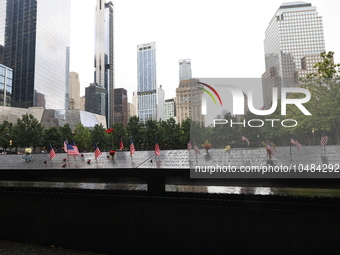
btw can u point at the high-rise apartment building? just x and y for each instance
(6, 75)
(104, 55)
(121, 106)
(36, 37)
(185, 69)
(146, 76)
(189, 101)
(74, 96)
(293, 42)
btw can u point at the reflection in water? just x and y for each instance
(75, 185)
(236, 190)
(263, 191)
(224, 190)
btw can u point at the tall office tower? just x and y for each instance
(160, 103)
(36, 40)
(131, 111)
(2, 28)
(184, 69)
(135, 101)
(293, 42)
(67, 81)
(74, 96)
(95, 97)
(170, 109)
(6, 75)
(146, 76)
(121, 106)
(189, 101)
(1, 53)
(104, 55)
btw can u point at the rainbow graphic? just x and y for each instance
(209, 93)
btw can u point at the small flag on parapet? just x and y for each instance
(295, 142)
(324, 139)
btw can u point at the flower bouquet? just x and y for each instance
(112, 154)
(207, 146)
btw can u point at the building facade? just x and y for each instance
(6, 75)
(135, 102)
(131, 111)
(104, 54)
(294, 37)
(36, 37)
(170, 109)
(74, 96)
(160, 103)
(185, 69)
(95, 97)
(189, 101)
(146, 77)
(121, 106)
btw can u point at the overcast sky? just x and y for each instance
(222, 38)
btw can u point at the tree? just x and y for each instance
(6, 137)
(82, 137)
(136, 130)
(119, 131)
(324, 104)
(52, 135)
(28, 131)
(99, 136)
(66, 132)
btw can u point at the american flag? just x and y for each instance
(245, 139)
(294, 141)
(97, 152)
(132, 147)
(189, 146)
(272, 150)
(72, 150)
(324, 139)
(157, 149)
(197, 151)
(65, 145)
(52, 152)
(121, 145)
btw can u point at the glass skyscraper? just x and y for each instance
(293, 42)
(36, 37)
(5, 85)
(104, 55)
(146, 75)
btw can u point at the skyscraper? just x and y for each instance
(170, 109)
(160, 103)
(36, 38)
(5, 85)
(104, 55)
(146, 75)
(74, 98)
(121, 106)
(184, 69)
(293, 42)
(95, 99)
